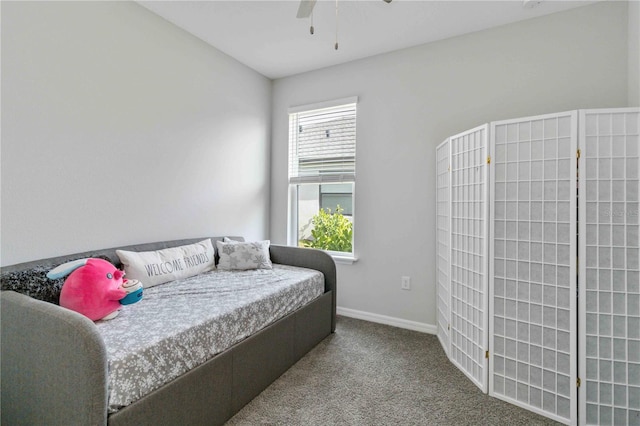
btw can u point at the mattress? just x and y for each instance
(181, 324)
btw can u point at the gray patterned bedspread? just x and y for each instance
(181, 324)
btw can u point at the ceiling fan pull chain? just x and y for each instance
(336, 46)
(311, 30)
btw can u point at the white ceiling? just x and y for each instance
(267, 36)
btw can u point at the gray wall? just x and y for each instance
(411, 100)
(118, 127)
(634, 53)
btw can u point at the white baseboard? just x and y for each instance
(383, 319)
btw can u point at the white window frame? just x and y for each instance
(292, 219)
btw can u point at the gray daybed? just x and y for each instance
(54, 366)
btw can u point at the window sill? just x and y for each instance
(343, 258)
(339, 257)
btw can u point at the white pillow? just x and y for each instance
(160, 266)
(236, 255)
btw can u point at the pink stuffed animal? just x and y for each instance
(93, 288)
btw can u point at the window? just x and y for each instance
(322, 159)
(337, 196)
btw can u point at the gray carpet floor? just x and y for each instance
(373, 374)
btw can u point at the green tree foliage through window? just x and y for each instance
(331, 231)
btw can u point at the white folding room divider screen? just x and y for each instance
(533, 252)
(609, 268)
(509, 280)
(469, 226)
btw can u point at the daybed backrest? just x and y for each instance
(29, 278)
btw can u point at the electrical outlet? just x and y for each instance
(406, 283)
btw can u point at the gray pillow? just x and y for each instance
(241, 256)
(33, 283)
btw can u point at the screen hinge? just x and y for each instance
(486, 354)
(578, 382)
(488, 159)
(578, 154)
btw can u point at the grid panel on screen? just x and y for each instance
(469, 223)
(533, 252)
(443, 247)
(609, 267)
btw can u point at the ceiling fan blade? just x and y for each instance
(305, 8)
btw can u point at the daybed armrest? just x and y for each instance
(312, 259)
(54, 365)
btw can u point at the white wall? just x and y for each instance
(118, 128)
(411, 100)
